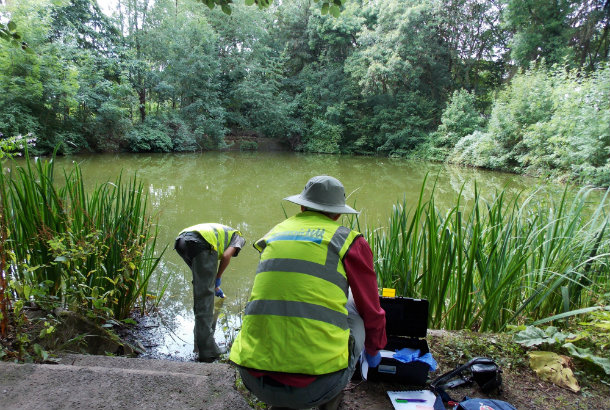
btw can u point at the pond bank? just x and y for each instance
(103, 382)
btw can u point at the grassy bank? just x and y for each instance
(92, 253)
(499, 262)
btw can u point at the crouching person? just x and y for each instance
(314, 306)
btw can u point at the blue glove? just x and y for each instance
(407, 355)
(219, 292)
(373, 361)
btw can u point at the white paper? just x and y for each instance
(423, 399)
(364, 365)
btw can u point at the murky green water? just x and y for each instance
(245, 190)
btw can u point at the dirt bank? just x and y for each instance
(82, 381)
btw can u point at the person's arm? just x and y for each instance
(362, 279)
(224, 260)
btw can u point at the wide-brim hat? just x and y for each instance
(323, 193)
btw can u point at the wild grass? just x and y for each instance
(92, 252)
(503, 261)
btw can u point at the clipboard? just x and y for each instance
(412, 399)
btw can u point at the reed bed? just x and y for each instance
(504, 261)
(93, 252)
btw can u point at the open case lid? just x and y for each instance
(405, 316)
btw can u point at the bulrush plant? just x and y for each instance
(499, 262)
(87, 252)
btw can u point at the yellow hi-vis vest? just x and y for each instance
(296, 320)
(217, 235)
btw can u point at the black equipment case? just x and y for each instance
(406, 326)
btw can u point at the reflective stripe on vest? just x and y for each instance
(327, 272)
(296, 320)
(217, 235)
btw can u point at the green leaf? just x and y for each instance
(335, 11)
(249, 2)
(226, 9)
(40, 352)
(533, 336)
(586, 354)
(567, 314)
(12, 26)
(324, 9)
(129, 321)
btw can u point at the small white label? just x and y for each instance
(384, 368)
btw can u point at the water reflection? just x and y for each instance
(245, 191)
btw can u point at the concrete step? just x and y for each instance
(100, 382)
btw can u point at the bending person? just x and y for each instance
(207, 249)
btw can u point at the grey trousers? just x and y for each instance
(203, 261)
(325, 387)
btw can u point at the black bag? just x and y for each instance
(484, 404)
(481, 370)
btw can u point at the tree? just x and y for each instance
(401, 66)
(332, 7)
(572, 31)
(476, 43)
(82, 22)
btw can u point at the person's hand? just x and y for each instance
(373, 361)
(218, 292)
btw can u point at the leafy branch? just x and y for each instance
(8, 33)
(332, 7)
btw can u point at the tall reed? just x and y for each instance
(504, 261)
(93, 251)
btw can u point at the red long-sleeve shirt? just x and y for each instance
(362, 279)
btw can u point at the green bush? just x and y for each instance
(149, 137)
(546, 122)
(248, 146)
(459, 119)
(110, 126)
(323, 137)
(177, 129)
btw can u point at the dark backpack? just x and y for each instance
(484, 404)
(480, 370)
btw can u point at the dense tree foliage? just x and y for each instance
(504, 84)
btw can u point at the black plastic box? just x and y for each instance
(406, 326)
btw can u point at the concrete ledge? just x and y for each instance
(99, 382)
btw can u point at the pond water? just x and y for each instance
(245, 191)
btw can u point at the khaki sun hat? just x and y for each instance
(323, 193)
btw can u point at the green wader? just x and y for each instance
(203, 261)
